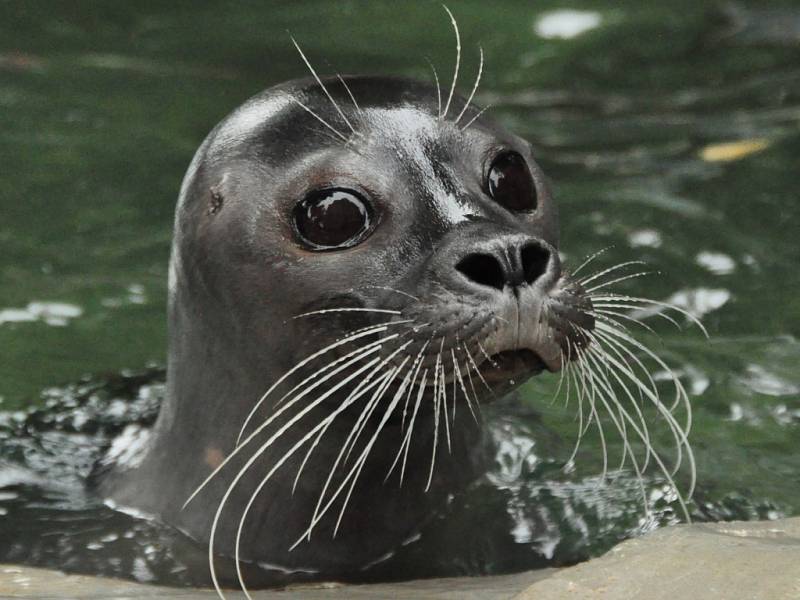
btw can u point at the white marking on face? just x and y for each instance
(409, 129)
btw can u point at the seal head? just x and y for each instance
(380, 269)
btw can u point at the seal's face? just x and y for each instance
(443, 232)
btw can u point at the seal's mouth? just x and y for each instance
(513, 365)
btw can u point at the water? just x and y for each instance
(672, 135)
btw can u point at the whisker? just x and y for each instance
(322, 85)
(678, 309)
(477, 371)
(438, 91)
(320, 119)
(607, 395)
(605, 284)
(590, 258)
(436, 404)
(616, 267)
(353, 474)
(458, 62)
(444, 407)
(608, 317)
(389, 289)
(239, 447)
(363, 419)
(255, 457)
(366, 331)
(417, 366)
(321, 428)
(679, 433)
(407, 439)
(356, 427)
(325, 311)
(457, 371)
(474, 88)
(476, 117)
(349, 93)
(600, 304)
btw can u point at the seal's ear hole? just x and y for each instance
(215, 202)
(333, 219)
(510, 183)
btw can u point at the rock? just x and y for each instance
(756, 560)
(42, 584)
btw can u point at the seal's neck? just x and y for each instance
(214, 378)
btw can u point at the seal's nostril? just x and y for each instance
(483, 269)
(535, 259)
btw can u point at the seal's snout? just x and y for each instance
(512, 262)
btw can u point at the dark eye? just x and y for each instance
(510, 183)
(331, 219)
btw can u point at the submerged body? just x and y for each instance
(412, 237)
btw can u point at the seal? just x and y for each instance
(358, 263)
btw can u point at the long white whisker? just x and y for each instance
(258, 453)
(349, 93)
(474, 88)
(354, 473)
(238, 448)
(320, 119)
(600, 304)
(616, 267)
(325, 311)
(457, 371)
(590, 258)
(322, 85)
(476, 117)
(438, 91)
(680, 436)
(458, 63)
(477, 371)
(345, 340)
(624, 298)
(407, 440)
(321, 428)
(608, 317)
(605, 284)
(356, 427)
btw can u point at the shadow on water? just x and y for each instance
(672, 135)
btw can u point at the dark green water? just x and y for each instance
(103, 104)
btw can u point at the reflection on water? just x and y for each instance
(672, 134)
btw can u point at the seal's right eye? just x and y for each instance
(510, 183)
(333, 218)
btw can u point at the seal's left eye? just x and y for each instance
(332, 219)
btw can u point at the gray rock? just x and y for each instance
(41, 584)
(757, 560)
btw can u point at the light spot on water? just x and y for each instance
(566, 24)
(697, 302)
(716, 262)
(128, 449)
(141, 572)
(135, 294)
(730, 151)
(645, 238)
(56, 314)
(761, 381)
